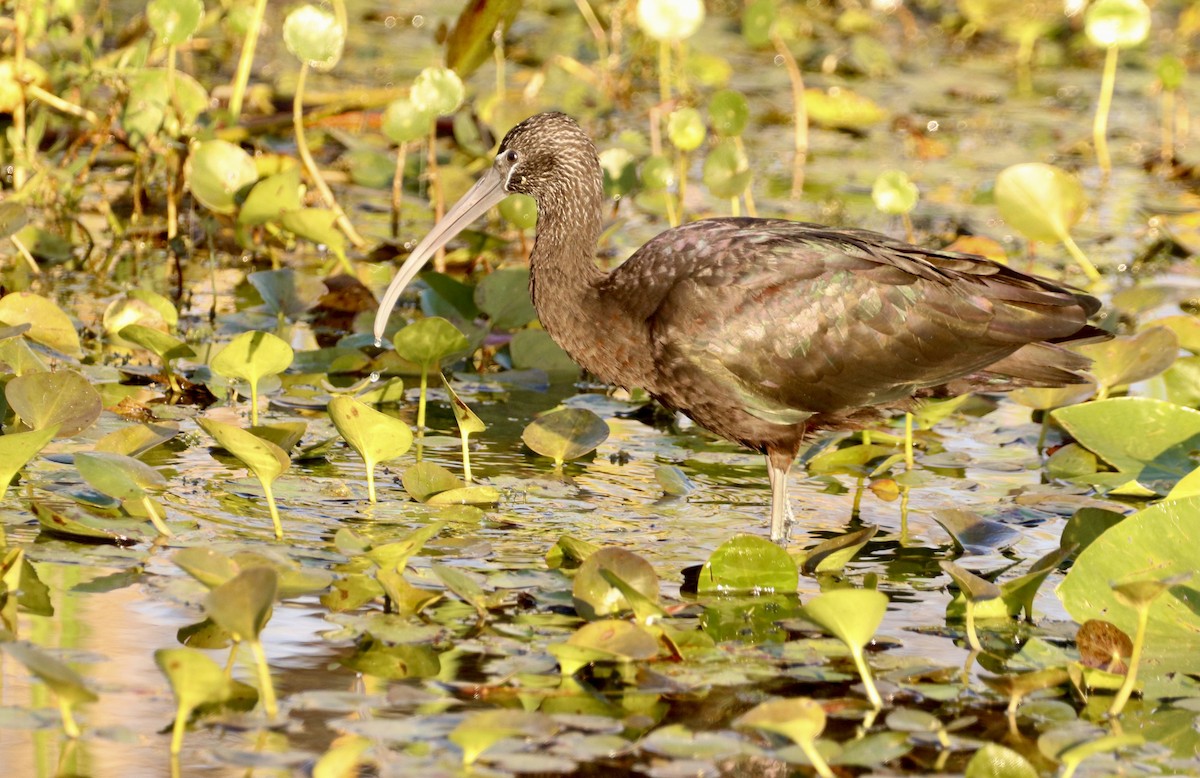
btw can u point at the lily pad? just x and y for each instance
(1125, 360)
(1157, 541)
(17, 448)
(63, 399)
(376, 436)
(48, 325)
(596, 598)
(565, 434)
(1156, 457)
(216, 172)
(748, 563)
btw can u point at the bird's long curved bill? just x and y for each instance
(488, 191)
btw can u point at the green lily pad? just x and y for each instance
(437, 90)
(1120, 23)
(479, 731)
(840, 108)
(265, 459)
(404, 121)
(800, 719)
(271, 197)
(17, 448)
(609, 640)
(314, 36)
(48, 325)
(196, 681)
(685, 129)
(376, 436)
(565, 434)
(69, 521)
(596, 598)
(894, 192)
(569, 552)
(748, 563)
(174, 21)
(426, 479)
(1128, 359)
(216, 172)
(996, 761)
(832, 555)
(1158, 542)
(63, 399)
(729, 112)
(161, 344)
(430, 341)
(850, 615)
(503, 296)
(727, 172)
(536, 349)
(1041, 201)
(251, 357)
(242, 605)
(1158, 456)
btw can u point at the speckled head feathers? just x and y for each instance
(551, 157)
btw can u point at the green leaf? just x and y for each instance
(565, 434)
(469, 43)
(205, 565)
(974, 588)
(242, 605)
(216, 172)
(272, 197)
(800, 719)
(250, 357)
(196, 681)
(63, 399)
(850, 615)
(426, 479)
(66, 684)
(48, 325)
(1128, 359)
(569, 552)
(404, 121)
(69, 521)
(894, 193)
(669, 20)
(376, 436)
(265, 459)
(748, 563)
(604, 641)
(17, 448)
(318, 225)
(840, 108)
(479, 731)
(727, 172)
(536, 349)
(174, 21)
(1039, 200)
(596, 598)
(685, 129)
(163, 345)
(728, 111)
(119, 476)
(1157, 542)
(314, 36)
(832, 555)
(1120, 23)
(1157, 457)
(996, 761)
(430, 341)
(503, 296)
(438, 91)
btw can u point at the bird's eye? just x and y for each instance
(511, 156)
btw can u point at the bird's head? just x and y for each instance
(548, 157)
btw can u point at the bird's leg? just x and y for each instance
(778, 464)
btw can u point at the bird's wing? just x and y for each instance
(788, 318)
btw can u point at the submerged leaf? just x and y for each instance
(565, 434)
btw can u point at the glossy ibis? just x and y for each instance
(765, 330)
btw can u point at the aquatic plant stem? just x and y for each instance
(155, 519)
(421, 409)
(1080, 258)
(809, 747)
(242, 77)
(436, 194)
(864, 672)
(70, 727)
(20, 130)
(177, 730)
(266, 688)
(664, 72)
(972, 635)
(1139, 639)
(1100, 124)
(466, 454)
(398, 188)
(909, 460)
(273, 509)
(370, 480)
(799, 117)
(253, 403)
(310, 165)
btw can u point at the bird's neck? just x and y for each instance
(567, 291)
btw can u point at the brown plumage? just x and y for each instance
(766, 330)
